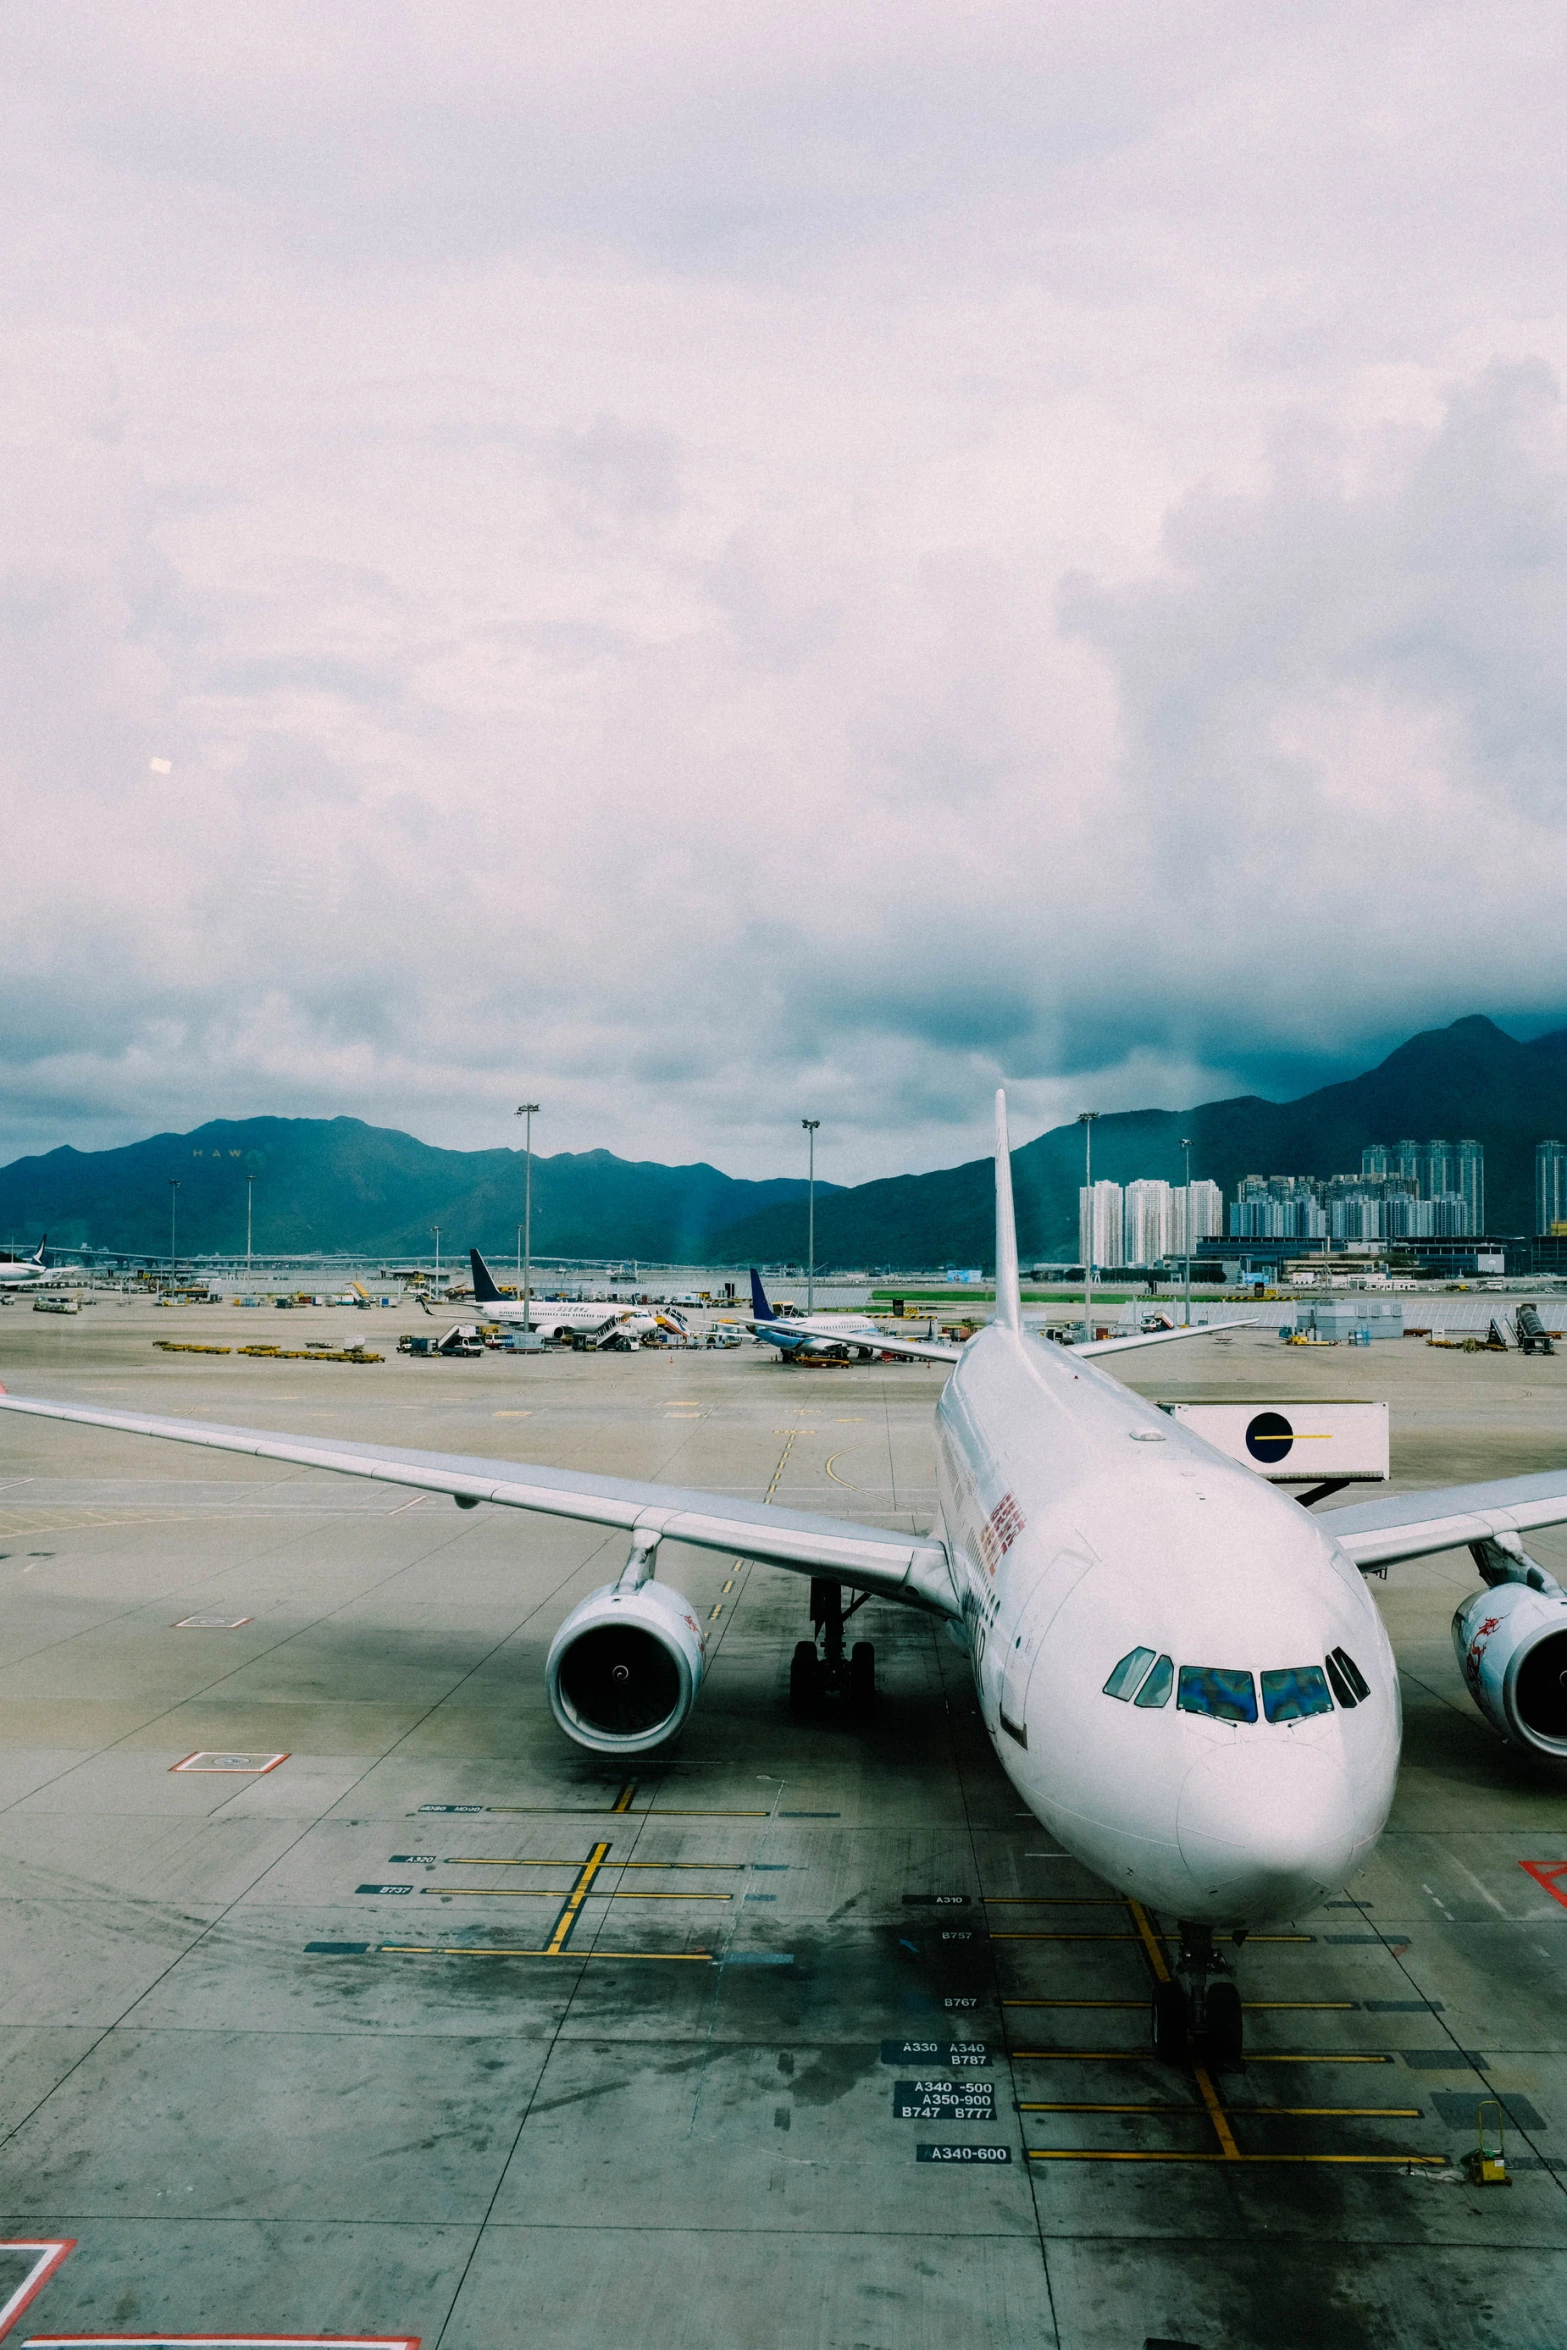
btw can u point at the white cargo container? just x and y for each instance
(1305, 1443)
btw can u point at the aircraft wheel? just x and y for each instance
(805, 1675)
(1169, 2022)
(862, 1680)
(1222, 2027)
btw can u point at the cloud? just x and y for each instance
(715, 566)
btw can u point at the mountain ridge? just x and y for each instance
(341, 1184)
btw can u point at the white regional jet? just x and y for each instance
(1180, 1668)
(26, 1272)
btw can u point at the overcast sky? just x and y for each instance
(706, 564)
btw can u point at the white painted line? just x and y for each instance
(51, 2251)
(254, 1766)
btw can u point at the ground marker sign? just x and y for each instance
(1549, 1874)
(43, 2255)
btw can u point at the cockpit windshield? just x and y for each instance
(1290, 1695)
(1214, 1689)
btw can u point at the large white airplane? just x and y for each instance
(26, 1272)
(558, 1317)
(1179, 1667)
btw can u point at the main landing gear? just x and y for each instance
(823, 1676)
(1200, 2002)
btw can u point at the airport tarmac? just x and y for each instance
(343, 1997)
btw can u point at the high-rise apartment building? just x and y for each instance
(1430, 1170)
(1100, 1224)
(1146, 1222)
(1550, 1185)
(1471, 1182)
(1207, 1215)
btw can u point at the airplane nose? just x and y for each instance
(1269, 1829)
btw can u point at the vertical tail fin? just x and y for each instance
(485, 1292)
(42, 1256)
(1009, 1301)
(759, 1305)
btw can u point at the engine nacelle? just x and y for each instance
(1512, 1647)
(624, 1668)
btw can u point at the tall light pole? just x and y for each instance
(810, 1125)
(1085, 1119)
(526, 1111)
(1187, 1148)
(174, 1194)
(436, 1229)
(250, 1202)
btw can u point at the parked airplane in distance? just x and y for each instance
(26, 1272)
(558, 1317)
(820, 1334)
(1179, 1667)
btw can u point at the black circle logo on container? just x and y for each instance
(1269, 1437)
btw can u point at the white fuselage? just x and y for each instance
(1084, 1523)
(29, 1275)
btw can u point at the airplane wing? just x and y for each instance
(872, 1558)
(935, 1351)
(1378, 1534)
(1115, 1346)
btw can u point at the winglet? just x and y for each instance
(485, 1292)
(759, 1305)
(1009, 1300)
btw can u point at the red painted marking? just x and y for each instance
(1549, 1875)
(51, 2251)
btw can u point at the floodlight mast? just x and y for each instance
(1187, 1148)
(174, 1194)
(810, 1125)
(526, 1111)
(1085, 1119)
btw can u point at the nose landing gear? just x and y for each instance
(1199, 2002)
(823, 1677)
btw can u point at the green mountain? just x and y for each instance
(1467, 1080)
(335, 1183)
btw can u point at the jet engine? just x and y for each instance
(1512, 1646)
(624, 1668)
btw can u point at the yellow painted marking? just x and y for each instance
(552, 1893)
(1252, 2006)
(783, 1459)
(471, 1860)
(837, 1480)
(576, 1897)
(1335, 2113)
(729, 1586)
(591, 1811)
(1146, 2056)
(622, 1801)
(1210, 2097)
(1016, 1936)
(716, 1612)
(1351, 2161)
(1052, 1900)
(575, 1957)
(511, 1415)
(1149, 1941)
